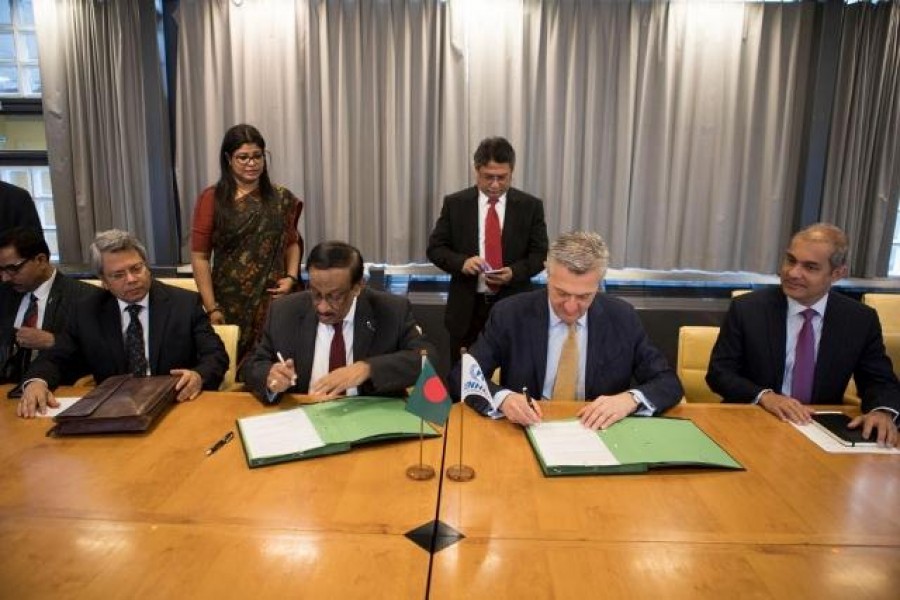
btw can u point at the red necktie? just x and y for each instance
(493, 247)
(337, 358)
(804, 360)
(29, 319)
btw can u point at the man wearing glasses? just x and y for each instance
(35, 300)
(135, 325)
(337, 338)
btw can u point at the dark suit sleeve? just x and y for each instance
(653, 374)
(532, 262)
(727, 362)
(441, 249)
(258, 363)
(211, 357)
(397, 368)
(874, 374)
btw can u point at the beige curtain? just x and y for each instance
(105, 122)
(673, 129)
(862, 180)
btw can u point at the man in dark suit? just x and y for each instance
(17, 209)
(760, 357)
(35, 300)
(611, 362)
(337, 338)
(459, 243)
(136, 325)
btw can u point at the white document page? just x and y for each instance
(569, 443)
(279, 434)
(64, 403)
(828, 443)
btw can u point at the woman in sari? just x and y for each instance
(245, 248)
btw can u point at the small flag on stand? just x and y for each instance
(429, 399)
(473, 381)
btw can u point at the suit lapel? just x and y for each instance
(160, 311)
(363, 327)
(511, 228)
(469, 218)
(776, 325)
(598, 338)
(52, 306)
(110, 322)
(829, 344)
(305, 346)
(539, 335)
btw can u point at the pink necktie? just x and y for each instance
(804, 360)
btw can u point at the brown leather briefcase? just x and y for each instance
(121, 404)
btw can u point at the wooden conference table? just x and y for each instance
(153, 517)
(798, 523)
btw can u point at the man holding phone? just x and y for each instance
(491, 238)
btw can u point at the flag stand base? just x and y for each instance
(461, 472)
(420, 472)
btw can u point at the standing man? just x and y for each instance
(135, 325)
(790, 347)
(491, 238)
(571, 342)
(17, 209)
(337, 338)
(35, 301)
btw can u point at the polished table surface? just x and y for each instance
(798, 522)
(150, 516)
(140, 515)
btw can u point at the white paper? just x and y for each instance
(828, 443)
(569, 443)
(64, 403)
(278, 434)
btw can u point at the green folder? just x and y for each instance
(637, 444)
(326, 428)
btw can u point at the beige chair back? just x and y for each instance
(229, 335)
(695, 344)
(186, 283)
(888, 308)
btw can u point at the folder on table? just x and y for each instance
(633, 445)
(326, 428)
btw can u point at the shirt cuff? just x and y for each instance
(645, 407)
(887, 409)
(760, 395)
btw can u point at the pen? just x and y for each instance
(281, 360)
(528, 398)
(225, 439)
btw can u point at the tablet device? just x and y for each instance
(835, 424)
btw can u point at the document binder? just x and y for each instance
(633, 445)
(326, 428)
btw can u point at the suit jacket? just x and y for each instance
(620, 356)
(17, 209)
(180, 337)
(385, 335)
(749, 354)
(64, 292)
(455, 238)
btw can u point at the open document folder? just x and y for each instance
(326, 428)
(633, 445)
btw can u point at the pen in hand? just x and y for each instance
(284, 363)
(528, 398)
(215, 447)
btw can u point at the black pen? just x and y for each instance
(528, 398)
(225, 439)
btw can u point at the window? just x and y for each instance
(19, 72)
(23, 142)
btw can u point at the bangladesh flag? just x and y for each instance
(429, 399)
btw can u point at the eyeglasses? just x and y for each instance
(135, 270)
(334, 299)
(246, 159)
(14, 268)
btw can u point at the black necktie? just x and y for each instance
(134, 342)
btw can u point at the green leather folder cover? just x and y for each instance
(643, 443)
(341, 425)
